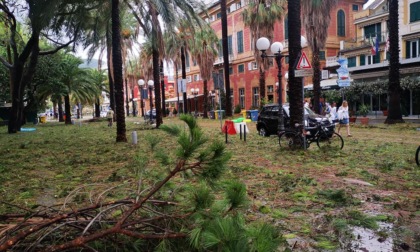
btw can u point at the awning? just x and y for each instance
(175, 99)
(325, 85)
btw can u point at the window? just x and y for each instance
(412, 49)
(220, 48)
(369, 59)
(362, 60)
(270, 89)
(230, 44)
(341, 23)
(196, 77)
(194, 62)
(242, 97)
(286, 27)
(415, 12)
(187, 59)
(254, 65)
(230, 70)
(218, 15)
(241, 68)
(355, 7)
(321, 55)
(240, 40)
(373, 31)
(351, 62)
(189, 78)
(256, 97)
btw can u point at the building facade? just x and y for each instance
(243, 69)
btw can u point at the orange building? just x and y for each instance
(244, 74)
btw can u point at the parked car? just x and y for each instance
(268, 119)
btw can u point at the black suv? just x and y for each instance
(268, 119)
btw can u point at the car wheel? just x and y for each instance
(263, 132)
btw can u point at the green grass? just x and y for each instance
(289, 188)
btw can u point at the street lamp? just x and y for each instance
(263, 44)
(195, 93)
(141, 83)
(150, 84)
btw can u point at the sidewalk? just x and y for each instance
(377, 119)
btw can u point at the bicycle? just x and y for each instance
(418, 156)
(295, 138)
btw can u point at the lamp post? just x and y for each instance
(133, 102)
(141, 84)
(150, 84)
(194, 91)
(263, 44)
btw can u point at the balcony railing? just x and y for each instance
(332, 61)
(364, 41)
(219, 60)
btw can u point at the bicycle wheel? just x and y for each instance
(290, 140)
(335, 141)
(418, 156)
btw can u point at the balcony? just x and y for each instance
(361, 42)
(331, 62)
(219, 60)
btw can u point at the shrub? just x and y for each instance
(237, 109)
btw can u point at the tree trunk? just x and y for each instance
(205, 99)
(118, 72)
(162, 83)
(20, 76)
(184, 76)
(394, 88)
(226, 57)
(60, 110)
(262, 87)
(295, 83)
(156, 78)
(97, 109)
(67, 109)
(316, 80)
(110, 74)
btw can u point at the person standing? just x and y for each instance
(343, 117)
(333, 112)
(110, 117)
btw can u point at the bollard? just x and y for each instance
(240, 131)
(244, 133)
(226, 133)
(134, 137)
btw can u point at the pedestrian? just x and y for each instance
(343, 117)
(333, 112)
(327, 110)
(110, 117)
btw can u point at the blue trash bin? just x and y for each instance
(254, 115)
(211, 114)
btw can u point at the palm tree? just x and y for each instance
(118, 72)
(97, 78)
(295, 83)
(394, 87)
(204, 50)
(316, 19)
(260, 16)
(226, 56)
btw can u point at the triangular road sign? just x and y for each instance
(303, 62)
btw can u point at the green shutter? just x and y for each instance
(240, 42)
(351, 62)
(414, 12)
(230, 44)
(362, 60)
(407, 49)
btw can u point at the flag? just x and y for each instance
(372, 48)
(377, 45)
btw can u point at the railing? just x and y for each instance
(331, 61)
(363, 41)
(219, 60)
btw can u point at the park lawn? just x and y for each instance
(306, 193)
